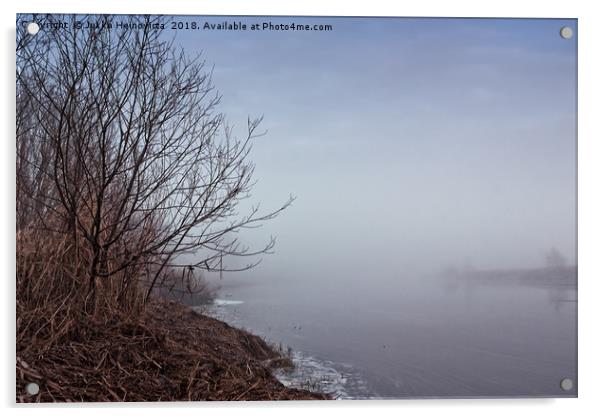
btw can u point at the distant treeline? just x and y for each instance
(548, 274)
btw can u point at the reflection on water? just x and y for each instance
(458, 336)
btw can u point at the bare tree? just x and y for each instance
(555, 259)
(121, 146)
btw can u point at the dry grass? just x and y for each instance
(170, 353)
(123, 350)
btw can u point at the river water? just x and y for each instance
(437, 337)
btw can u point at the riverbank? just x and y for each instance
(168, 353)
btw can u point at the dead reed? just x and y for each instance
(124, 351)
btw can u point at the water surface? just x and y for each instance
(422, 337)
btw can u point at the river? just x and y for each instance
(422, 337)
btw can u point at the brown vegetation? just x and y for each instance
(122, 151)
(124, 165)
(169, 353)
(160, 350)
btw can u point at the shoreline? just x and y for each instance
(169, 353)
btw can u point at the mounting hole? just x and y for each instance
(32, 389)
(566, 32)
(32, 28)
(566, 384)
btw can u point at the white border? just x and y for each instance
(590, 194)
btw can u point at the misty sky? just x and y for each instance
(410, 144)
